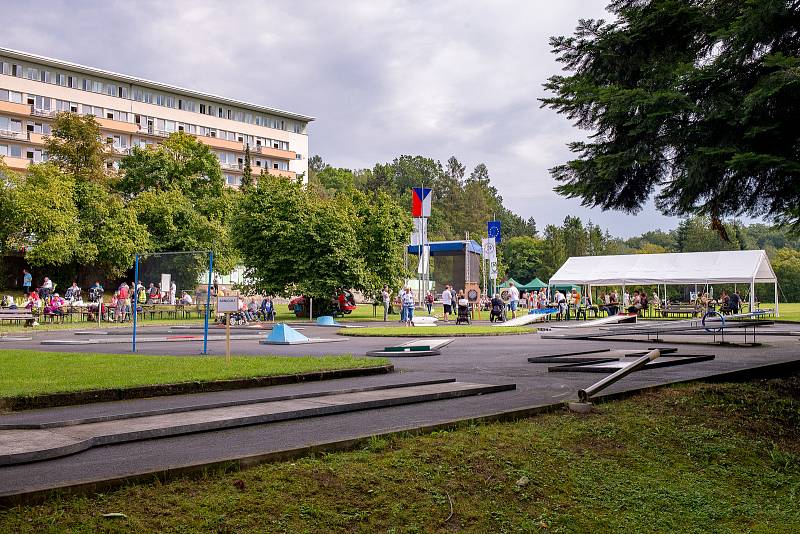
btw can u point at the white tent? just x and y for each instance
(731, 266)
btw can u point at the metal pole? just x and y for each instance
(208, 301)
(311, 308)
(135, 298)
(584, 394)
(777, 311)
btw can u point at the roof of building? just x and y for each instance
(675, 268)
(447, 247)
(34, 58)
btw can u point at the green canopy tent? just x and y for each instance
(533, 284)
(505, 284)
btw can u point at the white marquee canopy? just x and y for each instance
(731, 266)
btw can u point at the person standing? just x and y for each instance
(386, 297)
(47, 288)
(173, 291)
(429, 302)
(408, 306)
(27, 280)
(447, 302)
(513, 294)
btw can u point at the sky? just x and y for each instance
(381, 77)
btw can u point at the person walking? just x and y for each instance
(27, 280)
(386, 296)
(447, 302)
(408, 306)
(513, 294)
(429, 302)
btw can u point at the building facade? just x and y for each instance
(136, 112)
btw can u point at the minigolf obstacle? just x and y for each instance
(326, 320)
(283, 334)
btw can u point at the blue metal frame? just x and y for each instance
(135, 299)
(208, 300)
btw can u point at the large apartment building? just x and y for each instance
(136, 112)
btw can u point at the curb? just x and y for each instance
(16, 404)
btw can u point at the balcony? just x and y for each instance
(285, 174)
(15, 109)
(11, 134)
(277, 153)
(221, 143)
(16, 164)
(46, 113)
(231, 167)
(117, 126)
(36, 138)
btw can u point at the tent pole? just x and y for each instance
(752, 295)
(777, 311)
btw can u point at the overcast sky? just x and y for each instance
(383, 78)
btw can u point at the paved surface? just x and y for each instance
(486, 360)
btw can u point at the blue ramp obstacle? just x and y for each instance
(283, 334)
(326, 320)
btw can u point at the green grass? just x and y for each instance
(698, 458)
(30, 372)
(424, 331)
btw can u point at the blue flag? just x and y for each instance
(494, 230)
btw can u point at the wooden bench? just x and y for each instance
(17, 315)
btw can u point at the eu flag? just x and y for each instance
(494, 230)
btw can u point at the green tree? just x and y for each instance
(247, 172)
(522, 255)
(786, 263)
(293, 241)
(177, 191)
(75, 146)
(697, 101)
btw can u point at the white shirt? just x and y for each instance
(47, 285)
(385, 295)
(513, 292)
(447, 298)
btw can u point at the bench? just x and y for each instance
(17, 315)
(678, 310)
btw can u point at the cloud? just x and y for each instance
(383, 78)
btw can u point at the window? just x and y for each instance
(219, 114)
(3, 95)
(15, 125)
(122, 92)
(229, 114)
(45, 76)
(111, 89)
(203, 109)
(16, 70)
(297, 127)
(5, 68)
(97, 87)
(15, 151)
(32, 73)
(72, 82)
(61, 79)
(248, 118)
(3, 150)
(159, 101)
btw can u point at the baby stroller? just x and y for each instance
(463, 315)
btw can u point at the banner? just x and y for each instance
(420, 202)
(493, 230)
(490, 253)
(419, 235)
(424, 260)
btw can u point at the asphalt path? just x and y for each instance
(486, 360)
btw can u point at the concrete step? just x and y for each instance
(55, 439)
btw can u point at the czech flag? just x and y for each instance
(420, 202)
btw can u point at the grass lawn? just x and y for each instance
(30, 372)
(693, 458)
(425, 331)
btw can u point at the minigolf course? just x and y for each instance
(415, 349)
(23, 443)
(283, 334)
(533, 316)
